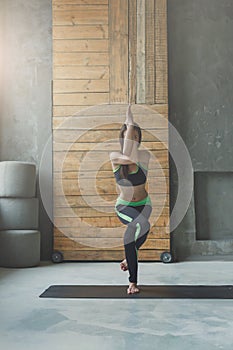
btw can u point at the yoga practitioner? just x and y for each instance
(133, 206)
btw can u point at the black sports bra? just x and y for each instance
(135, 178)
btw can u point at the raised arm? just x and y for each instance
(129, 153)
(129, 134)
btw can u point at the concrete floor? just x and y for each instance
(30, 322)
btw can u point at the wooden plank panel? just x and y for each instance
(81, 59)
(161, 94)
(85, 213)
(64, 243)
(69, 46)
(94, 255)
(67, 165)
(81, 2)
(155, 232)
(89, 39)
(108, 122)
(132, 50)
(109, 255)
(71, 161)
(71, 231)
(105, 222)
(141, 46)
(88, 212)
(64, 86)
(118, 50)
(73, 187)
(162, 242)
(78, 32)
(99, 136)
(119, 110)
(103, 165)
(81, 72)
(79, 201)
(89, 203)
(87, 146)
(67, 111)
(71, 245)
(150, 53)
(111, 243)
(78, 7)
(71, 110)
(101, 159)
(110, 224)
(103, 174)
(77, 17)
(80, 99)
(59, 189)
(98, 222)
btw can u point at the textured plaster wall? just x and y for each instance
(200, 96)
(200, 44)
(25, 111)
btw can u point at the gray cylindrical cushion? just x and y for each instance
(17, 179)
(19, 213)
(19, 248)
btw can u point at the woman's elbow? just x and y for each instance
(114, 155)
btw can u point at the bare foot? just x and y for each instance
(132, 288)
(123, 265)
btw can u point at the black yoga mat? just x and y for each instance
(146, 292)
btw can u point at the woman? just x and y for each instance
(133, 206)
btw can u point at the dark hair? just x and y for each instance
(124, 171)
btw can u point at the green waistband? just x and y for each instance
(145, 201)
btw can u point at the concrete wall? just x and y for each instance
(201, 103)
(25, 112)
(200, 96)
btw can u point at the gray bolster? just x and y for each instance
(19, 213)
(19, 248)
(17, 179)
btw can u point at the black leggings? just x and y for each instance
(138, 226)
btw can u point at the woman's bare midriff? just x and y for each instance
(133, 193)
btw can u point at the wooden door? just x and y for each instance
(106, 53)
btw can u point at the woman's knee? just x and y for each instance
(144, 226)
(136, 229)
(129, 236)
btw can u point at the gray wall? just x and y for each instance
(200, 95)
(25, 111)
(200, 42)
